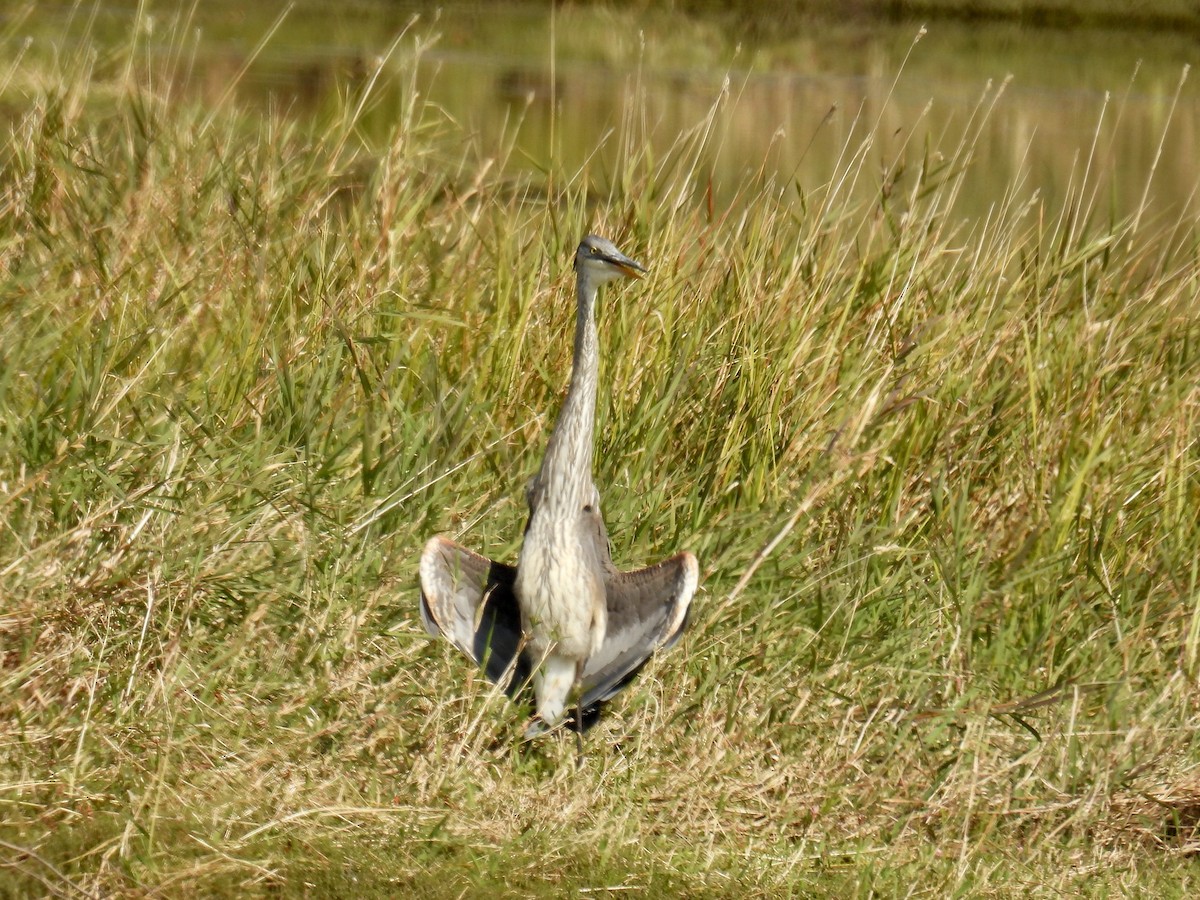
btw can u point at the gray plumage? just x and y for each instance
(564, 615)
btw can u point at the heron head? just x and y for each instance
(600, 260)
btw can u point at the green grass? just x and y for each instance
(942, 478)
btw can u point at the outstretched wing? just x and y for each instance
(647, 612)
(469, 598)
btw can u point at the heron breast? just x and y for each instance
(561, 594)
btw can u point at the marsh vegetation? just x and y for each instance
(941, 472)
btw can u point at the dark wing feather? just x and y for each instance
(647, 612)
(469, 598)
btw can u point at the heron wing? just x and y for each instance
(469, 598)
(647, 612)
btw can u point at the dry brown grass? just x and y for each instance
(942, 479)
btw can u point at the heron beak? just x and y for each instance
(629, 268)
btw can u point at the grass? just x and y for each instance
(1155, 15)
(942, 478)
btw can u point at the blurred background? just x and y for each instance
(1052, 96)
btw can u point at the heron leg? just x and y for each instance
(579, 715)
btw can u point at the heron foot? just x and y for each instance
(535, 727)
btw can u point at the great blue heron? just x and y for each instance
(564, 615)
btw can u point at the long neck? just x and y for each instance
(566, 476)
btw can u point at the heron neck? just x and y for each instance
(567, 469)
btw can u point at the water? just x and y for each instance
(1045, 111)
(1097, 113)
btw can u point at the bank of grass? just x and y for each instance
(942, 479)
(1156, 15)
